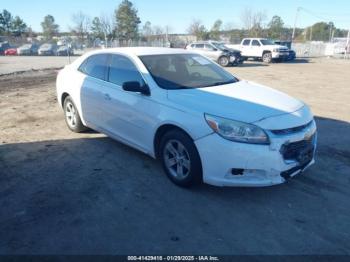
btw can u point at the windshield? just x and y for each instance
(220, 46)
(26, 46)
(267, 42)
(179, 71)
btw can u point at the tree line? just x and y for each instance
(255, 24)
(124, 25)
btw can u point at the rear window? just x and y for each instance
(246, 42)
(95, 66)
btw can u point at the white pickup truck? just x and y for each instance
(261, 48)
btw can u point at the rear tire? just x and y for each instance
(180, 159)
(72, 116)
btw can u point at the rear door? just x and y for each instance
(93, 92)
(199, 48)
(255, 48)
(245, 47)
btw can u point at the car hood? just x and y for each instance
(242, 101)
(231, 50)
(276, 46)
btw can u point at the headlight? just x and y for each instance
(237, 131)
(276, 50)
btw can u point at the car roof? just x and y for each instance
(255, 38)
(141, 51)
(204, 42)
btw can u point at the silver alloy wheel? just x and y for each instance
(223, 61)
(177, 159)
(267, 58)
(71, 115)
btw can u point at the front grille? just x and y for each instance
(291, 130)
(301, 151)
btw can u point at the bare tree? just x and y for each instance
(158, 30)
(194, 27)
(259, 18)
(229, 26)
(197, 29)
(253, 21)
(81, 25)
(107, 26)
(147, 31)
(247, 18)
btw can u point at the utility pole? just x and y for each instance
(330, 32)
(295, 22)
(311, 33)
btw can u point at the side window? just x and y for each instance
(255, 43)
(200, 46)
(82, 67)
(122, 70)
(246, 42)
(208, 47)
(95, 66)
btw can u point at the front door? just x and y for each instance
(129, 116)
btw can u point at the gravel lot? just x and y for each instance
(11, 64)
(64, 193)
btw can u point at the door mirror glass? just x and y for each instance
(134, 86)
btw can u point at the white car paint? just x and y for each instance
(251, 51)
(134, 119)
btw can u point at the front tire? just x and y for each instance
(180, 159)
(267, 58)
(224, 61)
(72, 116)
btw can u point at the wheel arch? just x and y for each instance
(63, 97)
(163, 129)
(227, 57)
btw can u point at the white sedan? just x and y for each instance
(204, 124)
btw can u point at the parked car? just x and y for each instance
(203, 123)
(218, 52)
(11, 52)
(3, 47)
(47, 49)
(64, 51)
(291, 53)
(28, 49)
(261, 48)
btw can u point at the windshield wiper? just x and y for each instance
(222, 83)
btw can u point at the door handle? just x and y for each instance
(107, 97)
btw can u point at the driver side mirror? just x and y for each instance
(135, 87)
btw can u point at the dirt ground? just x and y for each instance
(65, 193)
